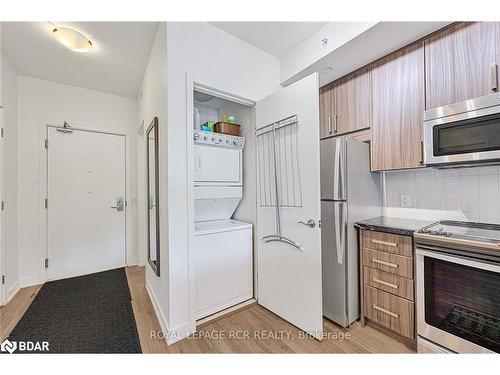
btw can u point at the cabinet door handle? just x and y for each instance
(393, 265)
(421, 152)
(392, 244)
(493, 77)
(394, 315)
(390, 285)
(335, 130)
(330, 124)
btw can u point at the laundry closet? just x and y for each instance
(256, 203)
(224, 202)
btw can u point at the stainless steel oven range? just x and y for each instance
(458, 287)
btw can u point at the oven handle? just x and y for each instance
(422, 252)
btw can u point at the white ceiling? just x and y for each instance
(276, 38)
(115, 64)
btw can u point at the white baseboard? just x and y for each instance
(157, 308)
(171, 335)
(179, 333)
(11, 292)
(30, 281)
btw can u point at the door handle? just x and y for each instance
(493, 77)
(310, 223)
(330, 127)
(120, 204)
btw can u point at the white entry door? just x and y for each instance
(86, 202)
(289, 269)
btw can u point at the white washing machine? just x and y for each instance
(223, 265)
(222, 247)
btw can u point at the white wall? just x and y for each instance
(215, 58)
(350, 46)
(312, 49)
(41, 103)
(9, 187)
(154, 103)
(471, 194)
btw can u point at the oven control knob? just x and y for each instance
(196, 136)
(220, 140)
(235, 142)
(205, 137)
(227, 140)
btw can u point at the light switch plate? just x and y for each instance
(405, 200)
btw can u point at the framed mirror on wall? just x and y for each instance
(153, 197)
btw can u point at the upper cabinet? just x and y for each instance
(385, 101)
(461, 63)
(353, 102)
(326, 103)
(346, 104)
(398, 108)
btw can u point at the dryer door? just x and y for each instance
(217, 165)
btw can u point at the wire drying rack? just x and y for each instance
(279, 172)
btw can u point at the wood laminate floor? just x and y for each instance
(250, 330)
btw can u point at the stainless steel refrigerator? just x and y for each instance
(349, 193)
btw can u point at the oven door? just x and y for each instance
(465, 132)
(458, 302)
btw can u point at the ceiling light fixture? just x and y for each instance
(72, 39)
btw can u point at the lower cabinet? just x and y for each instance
(388, 287)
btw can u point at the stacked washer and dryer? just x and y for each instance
(222, 246)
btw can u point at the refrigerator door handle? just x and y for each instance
(343, 229)
(336, 169)
(338, 235)
(342, 176)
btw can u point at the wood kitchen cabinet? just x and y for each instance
(353, 102)
(326, 104)
(461, 63)
(398, 108)
(387, 280)
(346, 104)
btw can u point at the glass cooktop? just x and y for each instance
(466, 230)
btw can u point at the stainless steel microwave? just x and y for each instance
(467, 132)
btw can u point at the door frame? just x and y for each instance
(2, 252)
(43, 189)
(191, 85)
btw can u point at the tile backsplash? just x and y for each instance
(471, 194)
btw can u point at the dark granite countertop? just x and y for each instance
(395, 225)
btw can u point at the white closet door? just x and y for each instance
(2, 271)
(289, 279)
(86, 176)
